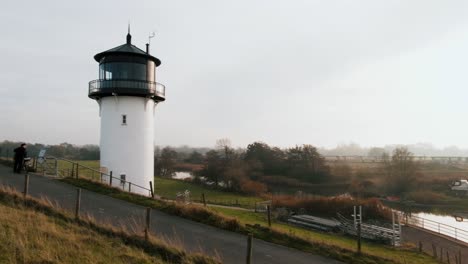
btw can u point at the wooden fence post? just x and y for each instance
(56, 168)
(110, 178)
(78, 203)
(203, 199)
(77, 176)
(101, 176)
(269, 215)
(147, 226)
(359, 238)
(420, 247)
(129, 187)
(151, 189)
(249, 248)
(26, 185)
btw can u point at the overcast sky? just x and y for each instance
(283, 72)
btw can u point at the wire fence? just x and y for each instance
(60, 167)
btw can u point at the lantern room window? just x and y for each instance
(122, 71)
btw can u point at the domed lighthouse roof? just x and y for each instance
(127, 70)
(127, 49)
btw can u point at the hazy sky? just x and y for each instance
(284, 72)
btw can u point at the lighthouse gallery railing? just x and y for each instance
(141, 85)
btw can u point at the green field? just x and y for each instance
(168, 188)
(334, 240)
(87, 168)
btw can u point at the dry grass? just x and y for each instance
(337, 247)
(329, 206)
(33, 231)
(426, 197)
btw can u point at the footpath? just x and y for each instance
(442, 244)
(192, 236)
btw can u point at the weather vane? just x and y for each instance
(151, 35)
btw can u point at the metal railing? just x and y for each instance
(76, 170)
(99, 85)
(437, 227)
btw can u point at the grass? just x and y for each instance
(33, 231)
(66, 168)
(168, 188)
(335, 246)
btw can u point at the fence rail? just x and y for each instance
(76, 170)
(437, 227)
(126, 85)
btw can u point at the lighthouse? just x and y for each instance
(127, 94)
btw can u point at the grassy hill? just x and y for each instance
(330, 245)
(32, 231)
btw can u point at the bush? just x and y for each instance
(425, 197)
(252, 187)
(329, 206)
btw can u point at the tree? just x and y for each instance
(307, 164)
(225, 150)
(195, 158)
(164, 165)
(264, 159)
(213, 166)
(400, 171)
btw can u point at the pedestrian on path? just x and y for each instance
(20, 154)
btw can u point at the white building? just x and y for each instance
(127, 94)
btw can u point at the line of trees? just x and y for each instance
(250, 170)
(246, 170)
(63, 150)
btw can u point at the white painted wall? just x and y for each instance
(128, 149)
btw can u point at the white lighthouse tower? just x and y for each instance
(127, 94)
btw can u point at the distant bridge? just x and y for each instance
(371, 159)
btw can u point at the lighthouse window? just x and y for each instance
(124, 119)
(122, 70)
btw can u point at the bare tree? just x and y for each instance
(400, 170)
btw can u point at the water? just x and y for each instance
(182, 175)
(443, 224)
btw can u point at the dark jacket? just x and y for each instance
(20, 153)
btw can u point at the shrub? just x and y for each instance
(425, 197)
(252, 187)
(329, 206)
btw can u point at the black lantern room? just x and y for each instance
(127, 71)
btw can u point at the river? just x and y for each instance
(442, 224)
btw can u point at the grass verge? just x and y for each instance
(334, 246)
(33, 231)
(168, 188)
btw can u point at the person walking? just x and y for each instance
(20, 154)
